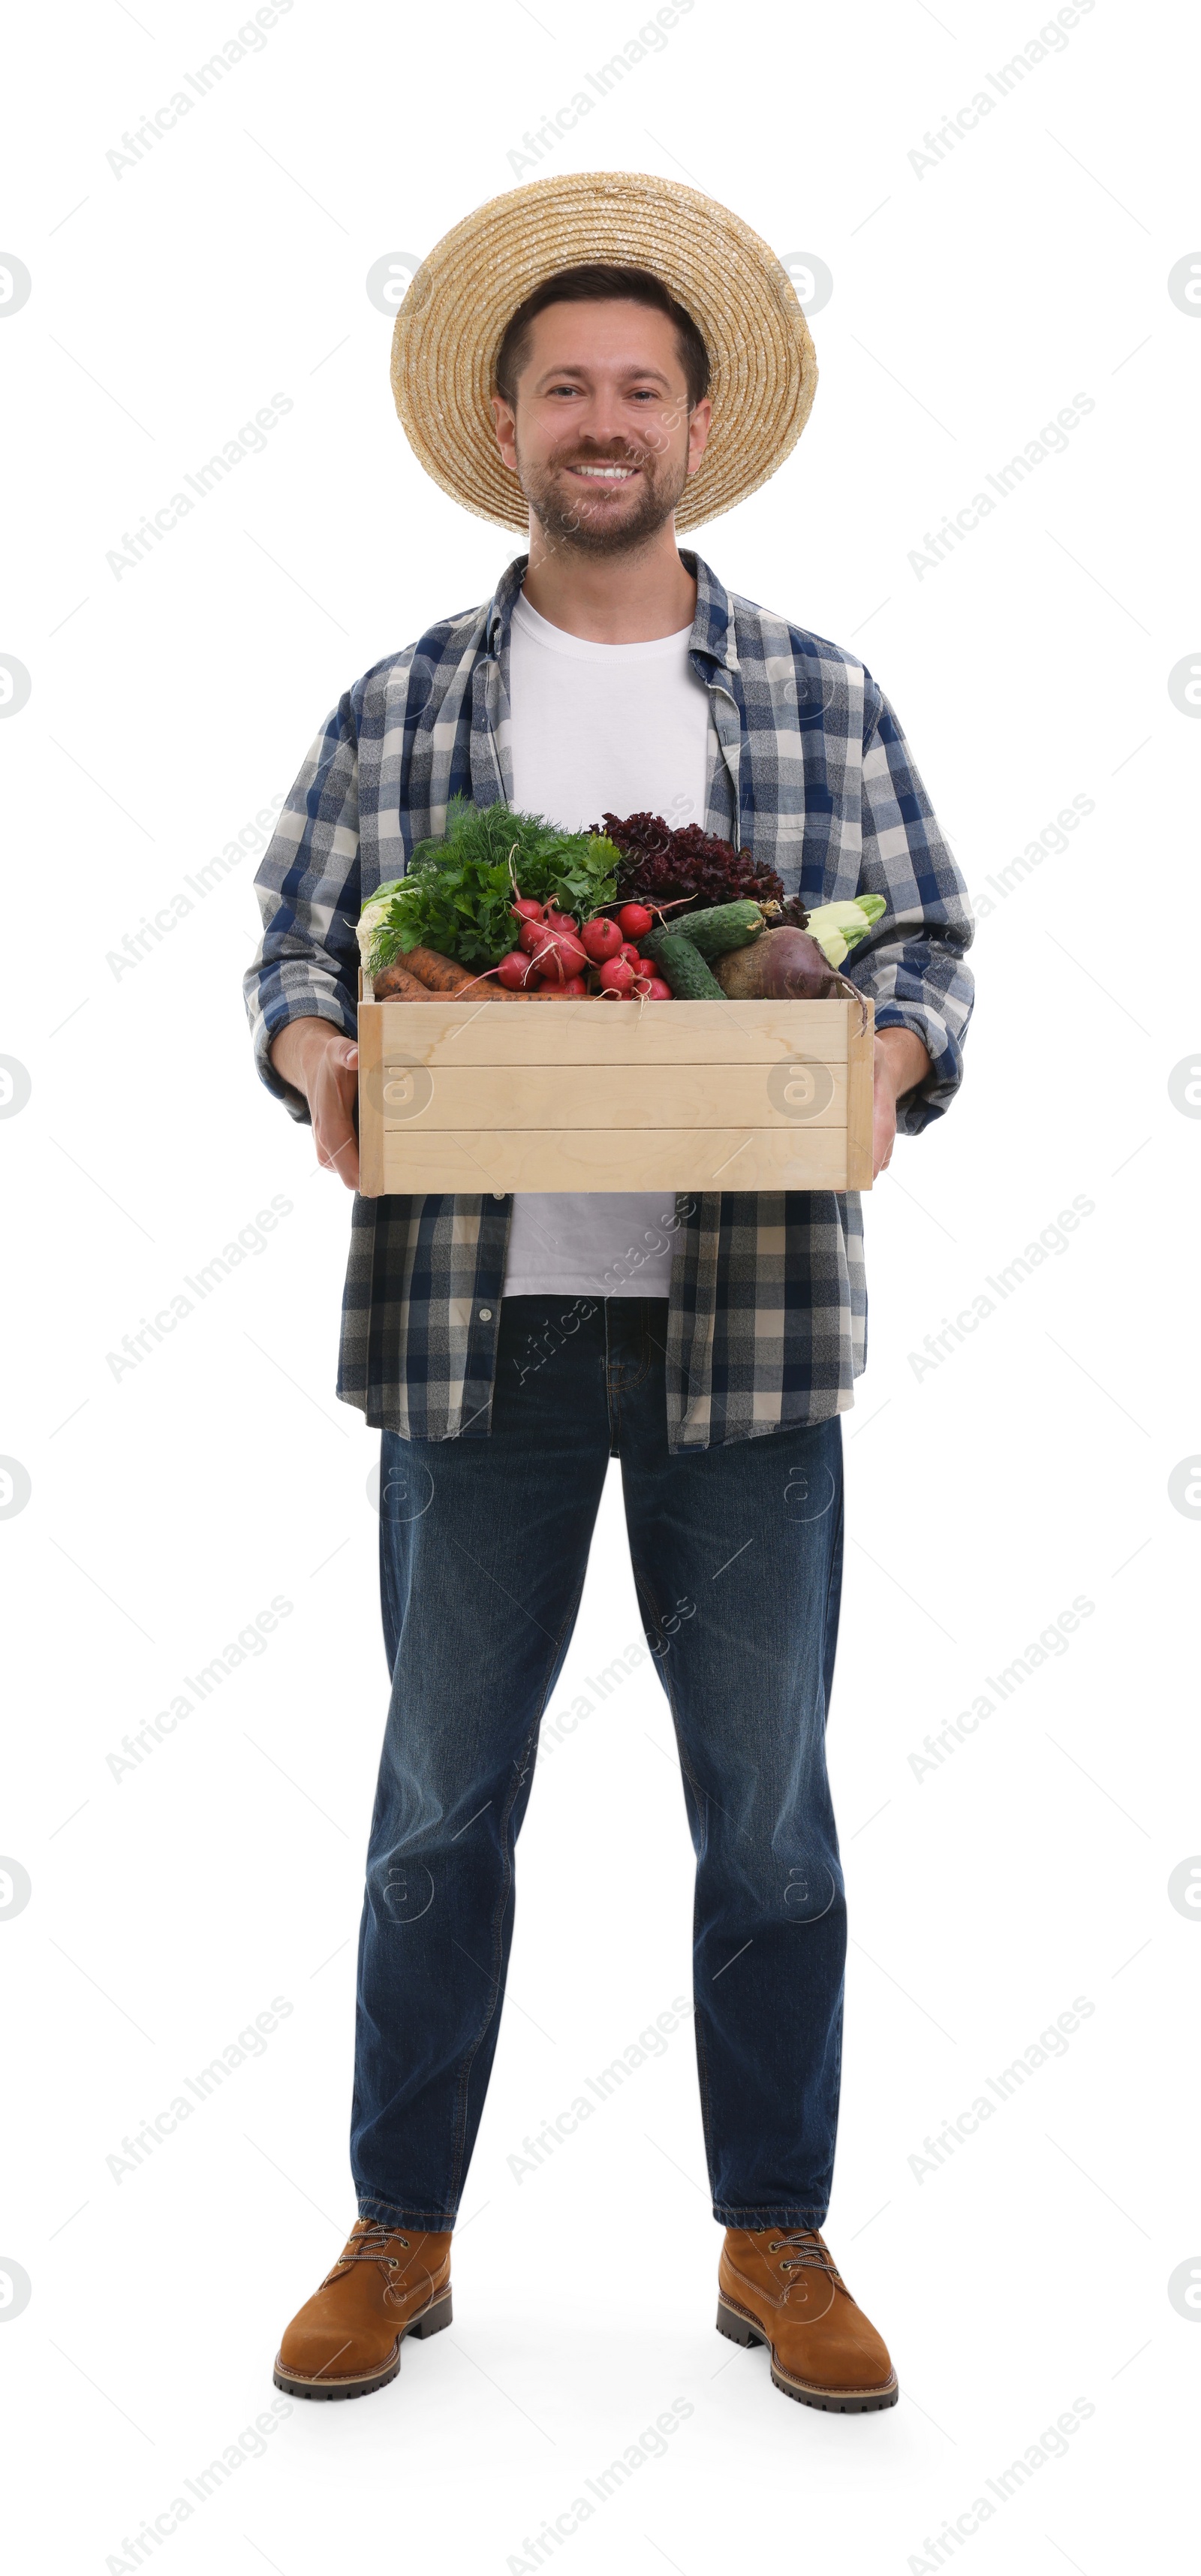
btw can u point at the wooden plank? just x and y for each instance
(477, 1098)
(596, 1032)
(804, 1158)
(371, 1115)
(861, 1056)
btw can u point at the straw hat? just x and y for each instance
(455, 313)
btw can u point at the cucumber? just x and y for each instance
(726, 926)
(682, 948)
(683, 967)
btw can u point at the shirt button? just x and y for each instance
(485, 1314)
(498, 1194)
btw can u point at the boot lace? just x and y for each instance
(371, 2246)
(809, 2253)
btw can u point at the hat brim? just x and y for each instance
(456, 311)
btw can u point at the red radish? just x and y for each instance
(601, 938)
(531, 935)
(559, 955)
(556, 920)
(657, 991)
(617, 975)
(516, 970)
(527, 908)
(629, 951)
(574, 986)
(635, 920)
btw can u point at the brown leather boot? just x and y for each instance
(345, 2341)
(778, 2286)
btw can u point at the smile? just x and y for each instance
(606, 473)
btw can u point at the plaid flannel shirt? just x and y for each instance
(767, 1315)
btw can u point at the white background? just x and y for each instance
(971, 302)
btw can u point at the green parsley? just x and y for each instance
(457, 893)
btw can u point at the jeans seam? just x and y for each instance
(459, 2131)
(630, 1386)
(641, 1585)
(616, 1387)
(830, 1586)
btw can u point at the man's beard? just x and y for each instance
(563, 514)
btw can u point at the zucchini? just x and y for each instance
(726, 926)
(683, 967)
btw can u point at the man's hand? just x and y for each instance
(901, 1062)
(318, 1061)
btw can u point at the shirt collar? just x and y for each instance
(498, 616)
(712, 627)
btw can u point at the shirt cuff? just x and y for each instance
(277, 1017)
(933, 1097)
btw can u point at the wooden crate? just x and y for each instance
(473, 1096)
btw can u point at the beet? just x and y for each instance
(782, 966)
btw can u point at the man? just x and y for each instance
(611, 357)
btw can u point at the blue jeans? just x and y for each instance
(737, 1557)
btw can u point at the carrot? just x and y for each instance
(396, 984)
(438, 974)
(494, 992)
(488, 990)
(444, 976)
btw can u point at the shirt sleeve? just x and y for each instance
(913, 966)
(306, 965)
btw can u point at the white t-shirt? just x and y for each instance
(596, 729)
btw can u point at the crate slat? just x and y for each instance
(464, 1097)
(596, 1032)
(604, 1159)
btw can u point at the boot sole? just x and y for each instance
(430, 2321)
(740, 2327)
